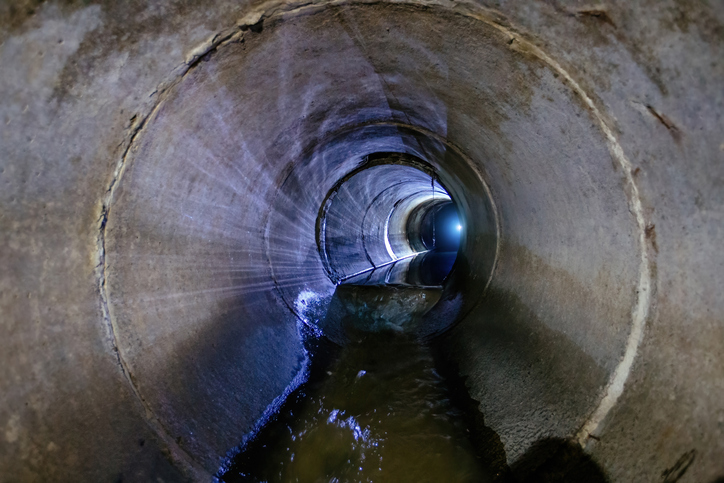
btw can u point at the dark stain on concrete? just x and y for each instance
(677, 471)
(650, 232)
(124, 28)
(598, 29)
(557, 460)
(684, 15)
(598, 14)
(14, 15)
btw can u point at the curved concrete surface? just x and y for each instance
(164, 167)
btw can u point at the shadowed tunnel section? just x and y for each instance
(309, 146)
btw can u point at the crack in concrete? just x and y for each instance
(595, 13)
(662, 118)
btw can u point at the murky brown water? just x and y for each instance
(379, 411)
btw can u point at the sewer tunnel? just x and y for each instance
(307, 146)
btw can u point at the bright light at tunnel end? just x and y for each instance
(460, 227)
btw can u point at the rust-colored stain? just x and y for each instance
(668, 123)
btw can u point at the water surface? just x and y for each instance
(376, 409)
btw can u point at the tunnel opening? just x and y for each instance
(440, 227)
(438, 230)
(388, 234)
(390, 222)
(368, 225)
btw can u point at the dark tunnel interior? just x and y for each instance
(352, 240)
(389, 224)
(440, 227)
(349, 187)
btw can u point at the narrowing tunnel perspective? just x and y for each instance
(352, 240)
(318, 205)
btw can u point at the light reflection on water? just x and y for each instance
(381, 414)
(377, 409)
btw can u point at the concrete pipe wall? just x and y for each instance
(163, 167)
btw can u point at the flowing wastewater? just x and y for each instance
(377, 409)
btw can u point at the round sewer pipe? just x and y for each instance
(218, 177)
(207, 253)
(364, 221)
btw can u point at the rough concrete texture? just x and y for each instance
(162, 167)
